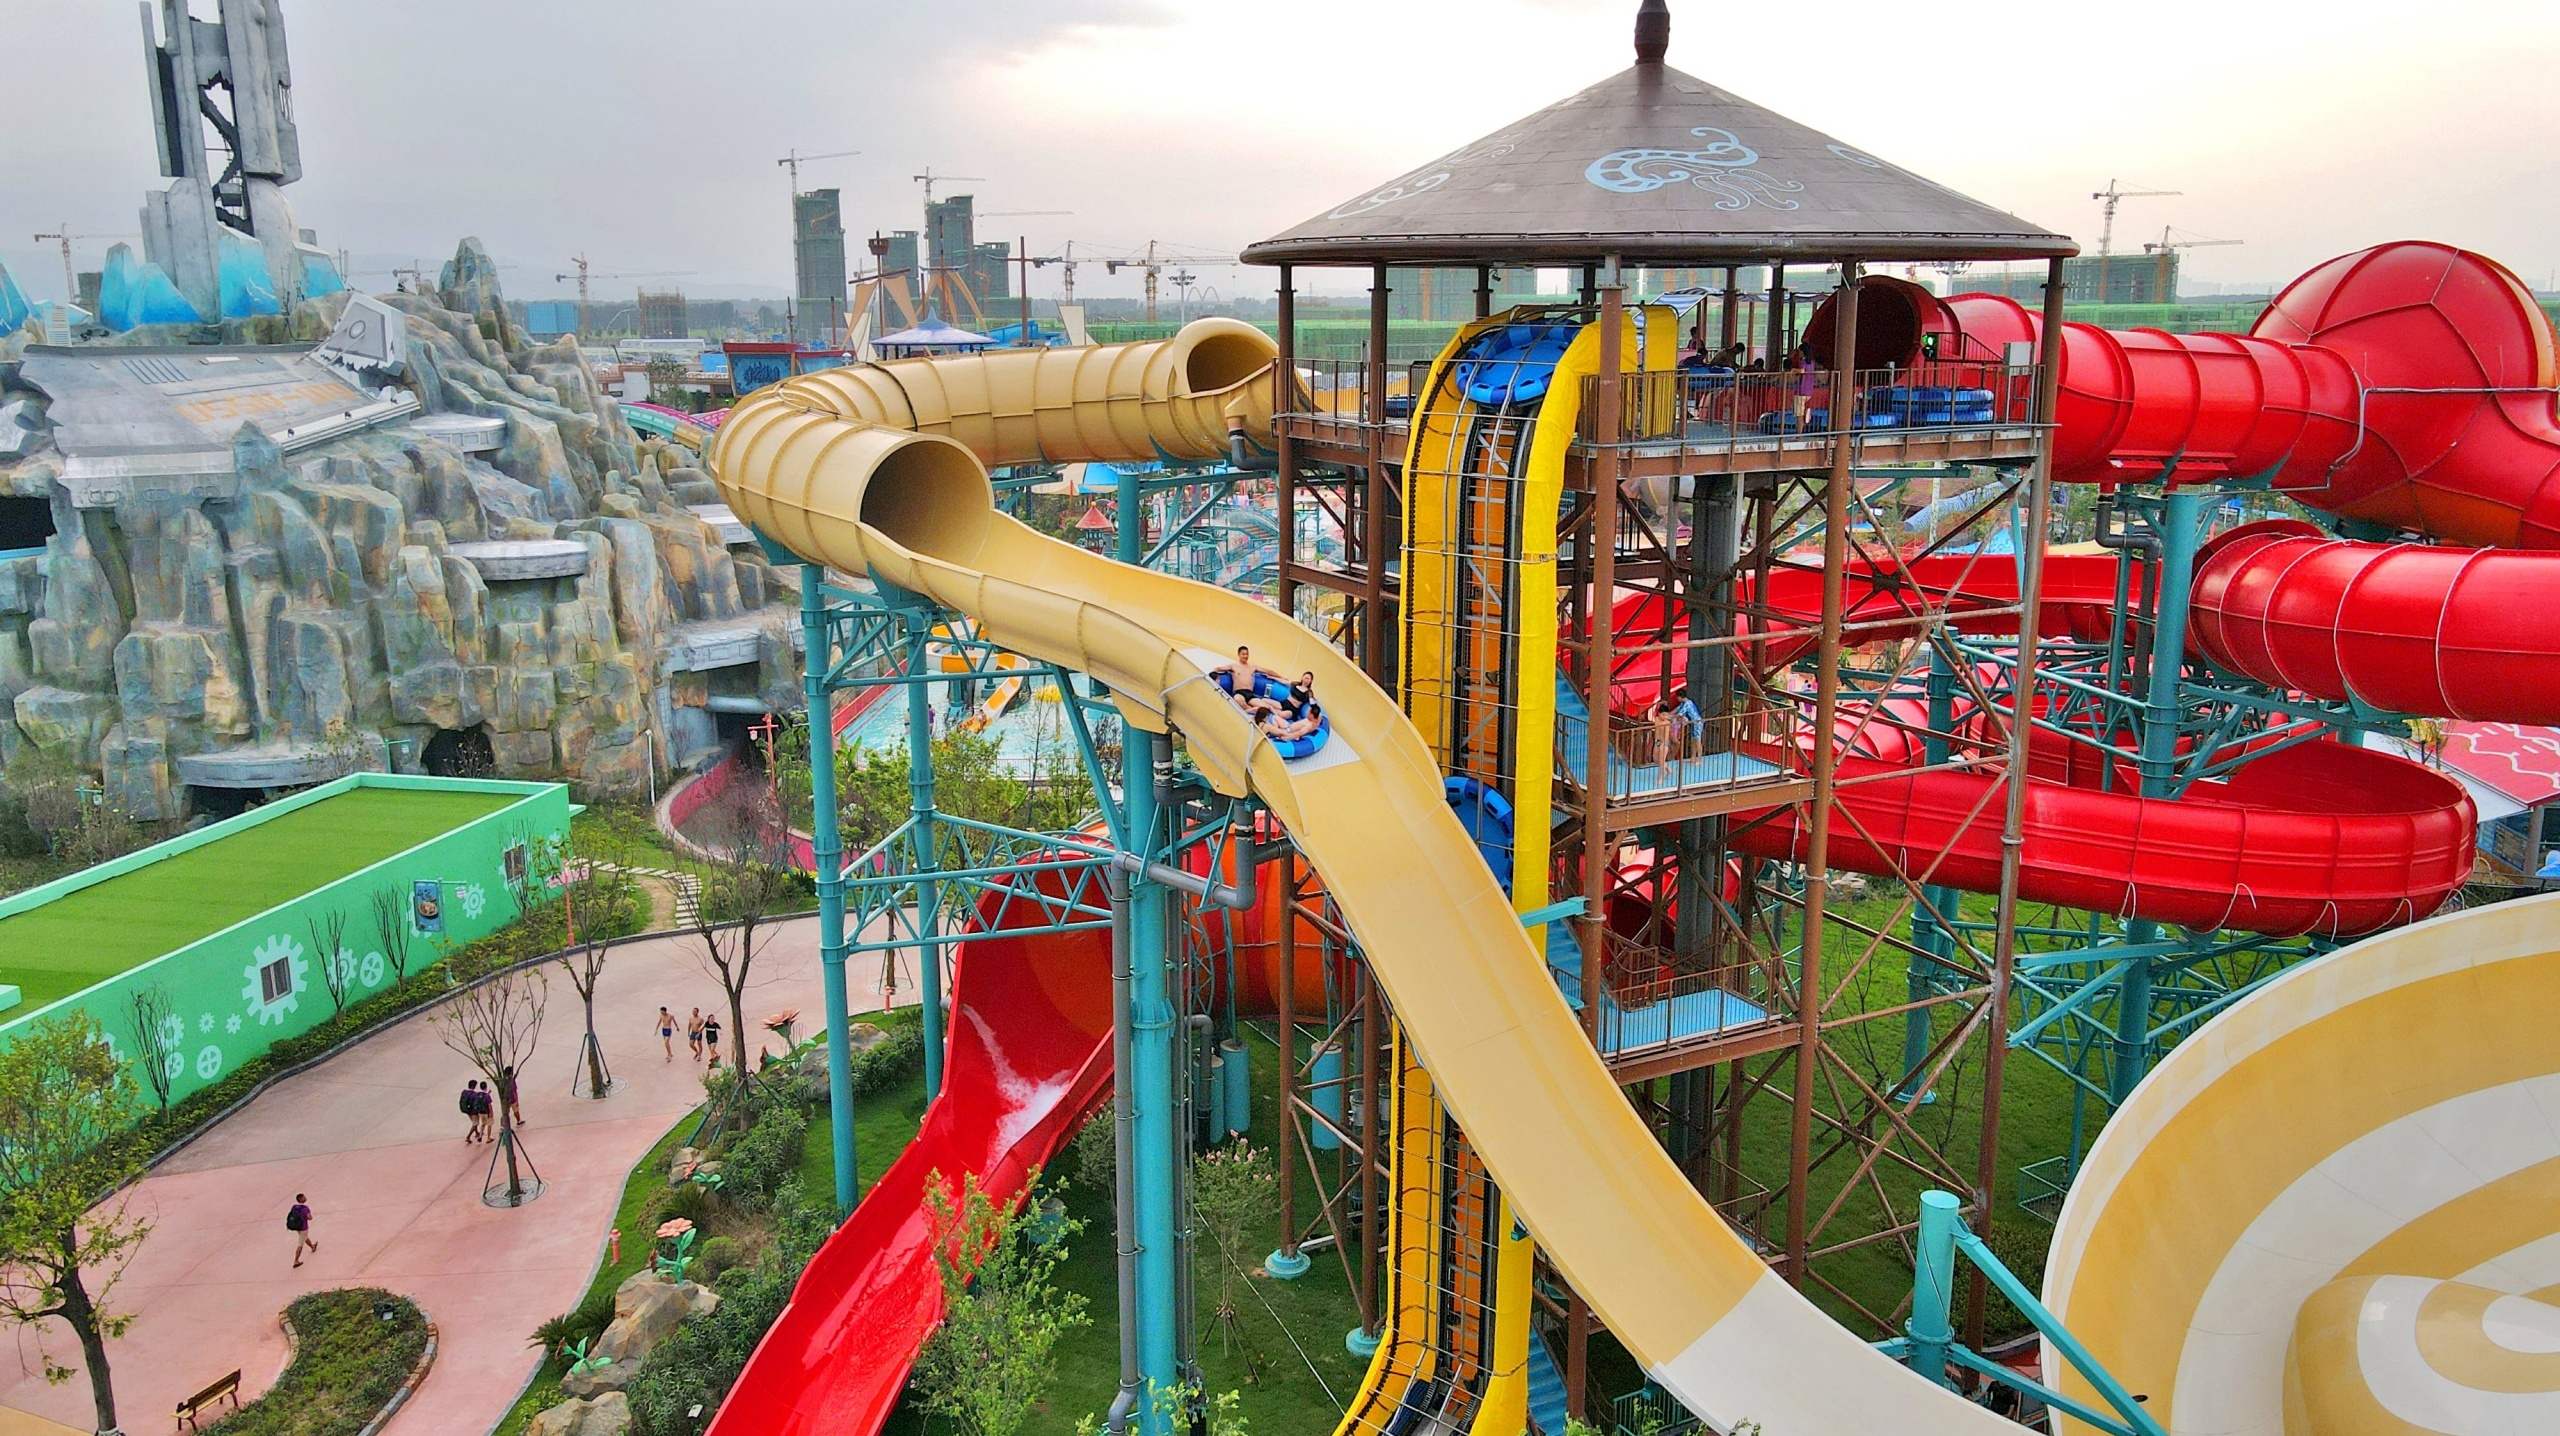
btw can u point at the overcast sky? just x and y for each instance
(643, 133)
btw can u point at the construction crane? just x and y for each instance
(2113, 195)
(1153, 263)
(1068, 262)
(403, 277)
(63, 236)
(929, 179)
(793, 160)
(579, 262)
(2166, 247)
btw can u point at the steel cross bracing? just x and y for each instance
(2098, 998)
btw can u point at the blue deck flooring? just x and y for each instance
(1573, 722)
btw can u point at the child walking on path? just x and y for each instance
(297, 1220)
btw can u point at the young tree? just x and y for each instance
(494, 1025)
(1233, 1193)
(996, 1352)
(391, 929)
(745, 886)
(329, 948)
(157, 1031)
(61, 1091)
(596, 898)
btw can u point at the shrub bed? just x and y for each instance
(348, 1363)
(761, 1226)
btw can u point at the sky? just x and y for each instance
(644, 133)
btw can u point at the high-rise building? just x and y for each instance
(817, 251)
(952, 232)
(663, 316)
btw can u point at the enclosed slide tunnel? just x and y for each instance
(2404, 387)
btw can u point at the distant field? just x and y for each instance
(65, 945)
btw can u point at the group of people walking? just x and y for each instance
(701, 1034)
(482, 1103)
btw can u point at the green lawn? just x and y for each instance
(73, 942)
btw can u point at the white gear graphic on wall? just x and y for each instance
(473, 898)
(371, 973)
(209, 1063)
(173, 1031)
(278, 948)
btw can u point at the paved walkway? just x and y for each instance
(373, 1136)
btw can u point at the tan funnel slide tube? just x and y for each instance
(882, 469)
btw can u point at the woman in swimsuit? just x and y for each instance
(1297, 715)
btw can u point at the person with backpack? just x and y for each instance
(471, 1112)
(297, 1220)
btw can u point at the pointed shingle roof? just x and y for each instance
(1659, 168)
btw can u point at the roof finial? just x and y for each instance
(1653, 31)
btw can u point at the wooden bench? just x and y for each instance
(193, 1406)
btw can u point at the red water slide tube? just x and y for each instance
(1029, 1058)
(2407, 385)
(2407, 628)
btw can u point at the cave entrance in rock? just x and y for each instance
(216, 804)
(25, 523)
(459, 753)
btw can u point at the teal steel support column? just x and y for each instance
(1933, 1287)
(1132, 535)
(1153, 1050)
(921, 835)
(1930, 936)
(2180, 527)
(827, 846)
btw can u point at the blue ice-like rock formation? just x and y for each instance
(14, 309)
(133, 292)
(247, 288)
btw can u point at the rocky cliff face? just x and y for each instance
(322, 611)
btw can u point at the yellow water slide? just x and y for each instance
(2335, 1210)
(882, 470)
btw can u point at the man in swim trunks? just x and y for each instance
(1236, 680)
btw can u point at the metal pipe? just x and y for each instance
(1593, 926)
(1777, 306)
(1130, 539)
(1826, 748)
(1288, 1262)
(921, 835)
(1124, 1178)
(1284, 384)
(1373, 540)
(2013, 820)
(1370, 1127)
(1933, 1278)
(1155, 1137)
(826, 845)
(1484, 291)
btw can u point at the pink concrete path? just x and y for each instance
(374, 1137)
